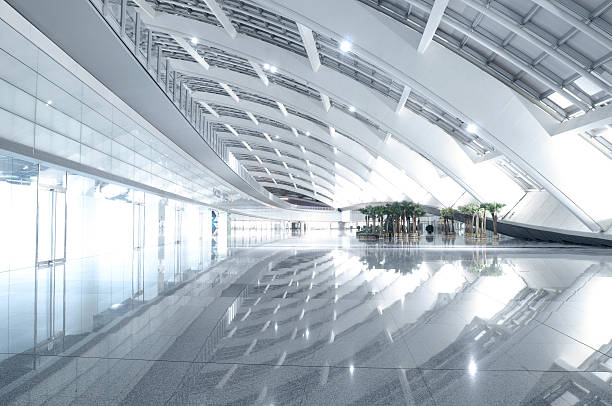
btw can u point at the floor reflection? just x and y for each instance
(348, 322)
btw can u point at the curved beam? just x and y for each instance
(414, 167)
(429, 140)
(348, 160)
(504, 121)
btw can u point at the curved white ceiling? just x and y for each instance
(429, 119)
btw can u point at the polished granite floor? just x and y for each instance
(322, 318)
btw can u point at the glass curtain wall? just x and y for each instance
(77, 252)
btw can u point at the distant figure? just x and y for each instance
(429, 229)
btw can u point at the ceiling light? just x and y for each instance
(274, 180)
(273, 69)
(345, 46)
(277, 152)
(291, 176)
(335, 150)
(308, 133)
(295, 132)
(471, 128)
(277, 136)
(247, 146)
(268, 171)
(352, 109)
(258, 159)
(266, 66)
(303, 149)
(285, 165)
(308, 162)
(49, 102)
(194, 40)
(268, 138)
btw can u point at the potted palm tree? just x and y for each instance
(416, 212)
(484, 207)
(494, 209)
(467, 212)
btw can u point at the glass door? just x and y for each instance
(50, 275)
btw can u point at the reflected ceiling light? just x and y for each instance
(273, 69)
(308, 133)
(311, 175)
(472, 368)
(471, 128)
(194, 40)
(345, 46)
(352, 109)
(335, 150)
(266, 66)
(277, 136)
(352, 369)
(294, 185)
(25, 167)
(388, 138)
(307, 162)
(49, 102)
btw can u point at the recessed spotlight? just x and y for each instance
(273, 69)
(49, 102)
(352, 109)
(277, 136)
(266, 66)
(194, 40)
(471, 128)
(308, 133)
(345, 45)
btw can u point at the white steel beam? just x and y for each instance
(191, 51)
(221, 17)
(326, 102)
(262, 75)
(210, 109)
(282, 108)
(433, 22)
(403, 99)
(311, 46)
(229, 91)
(597, 118)
(577, 23)
(146, 8)
(252, 117)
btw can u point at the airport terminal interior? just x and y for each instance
(321, 202)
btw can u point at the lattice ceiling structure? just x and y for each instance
(322, 109)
